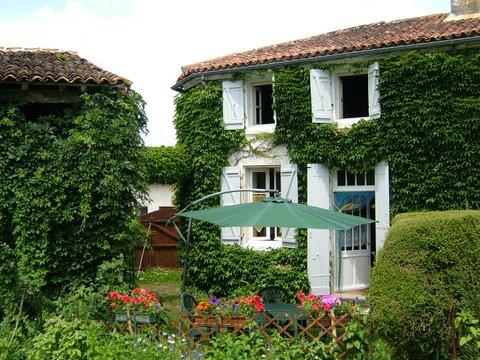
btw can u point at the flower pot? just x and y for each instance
(209, 320)
(120, 317)
(143, 318)
(136, 318)
(233, 323)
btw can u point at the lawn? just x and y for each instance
(167, 283)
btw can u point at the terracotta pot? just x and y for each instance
(209, 320)
(233, 322)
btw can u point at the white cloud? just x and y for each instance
(148, 41)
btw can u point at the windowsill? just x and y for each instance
(257, 129)
(263, 244)
(345, 123)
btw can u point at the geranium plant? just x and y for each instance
(138, 301)
(313, 304)
(250, 305)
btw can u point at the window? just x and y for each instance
(354, 102)
(263, 105)
(348, 178)
(143, 210)
(265, 179)
(343, 96)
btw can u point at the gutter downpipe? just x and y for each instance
(324, 58)
(189, 231)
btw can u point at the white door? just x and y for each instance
(354, 247)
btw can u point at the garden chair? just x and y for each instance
(188, 303)
(273, 295)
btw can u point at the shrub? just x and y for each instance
(429, 264)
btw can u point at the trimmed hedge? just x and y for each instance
(430, 262)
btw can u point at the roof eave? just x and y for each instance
(180, 86)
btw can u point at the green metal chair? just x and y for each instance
(273, 295)
(188, 303)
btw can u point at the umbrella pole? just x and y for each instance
(185, 260)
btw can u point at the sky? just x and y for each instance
(148, 41)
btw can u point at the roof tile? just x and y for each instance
(51, 65)
(382, 34)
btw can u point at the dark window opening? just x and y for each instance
(143, 210)
(263, 104)
(354, 96)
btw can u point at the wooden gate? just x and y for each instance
(163, 240)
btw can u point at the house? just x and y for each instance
(344, 89)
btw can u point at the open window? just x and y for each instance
(343, 96)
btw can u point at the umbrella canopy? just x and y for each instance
(277, 212)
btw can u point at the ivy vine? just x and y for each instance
(69, 186)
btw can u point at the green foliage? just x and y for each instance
(166, 164)
(429, 263)
(468, 328)
(255, 345)
(69, 186)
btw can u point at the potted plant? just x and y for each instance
(319, 309)
(140, 305)
(204, 312)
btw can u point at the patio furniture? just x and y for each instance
(273, 295)
(188, 303)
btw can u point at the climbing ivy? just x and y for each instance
(166, 164)
(69, 186)
(428, 133)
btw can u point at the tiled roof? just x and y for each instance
(51, 65)
(373, 36)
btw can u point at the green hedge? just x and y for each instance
(166, 164)
(430, 262)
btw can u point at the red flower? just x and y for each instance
(125, 298)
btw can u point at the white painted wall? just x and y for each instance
(160, 195)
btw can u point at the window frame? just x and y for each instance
(251, 127)
(266, 169)
(337, 100)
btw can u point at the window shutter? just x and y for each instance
(382, 203)
(321, 91)
(289, 190)
(230, 181)
(318, 240)
(373, 94)
(233, 105)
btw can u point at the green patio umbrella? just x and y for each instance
(277, 212)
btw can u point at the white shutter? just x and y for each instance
(382, 203)
(318, 241)
(321, 91)
(230, 181)
(289, 190)
(373, 93)
(233, 105)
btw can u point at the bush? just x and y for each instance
(429, 264)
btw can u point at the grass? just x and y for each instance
(167, 283)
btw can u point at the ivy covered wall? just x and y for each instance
(69, 185)
(428, 133)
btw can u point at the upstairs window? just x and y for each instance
(263, 104)
(354, 102)
(343, 97)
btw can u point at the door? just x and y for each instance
(354, 245)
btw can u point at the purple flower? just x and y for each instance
(214, 300)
